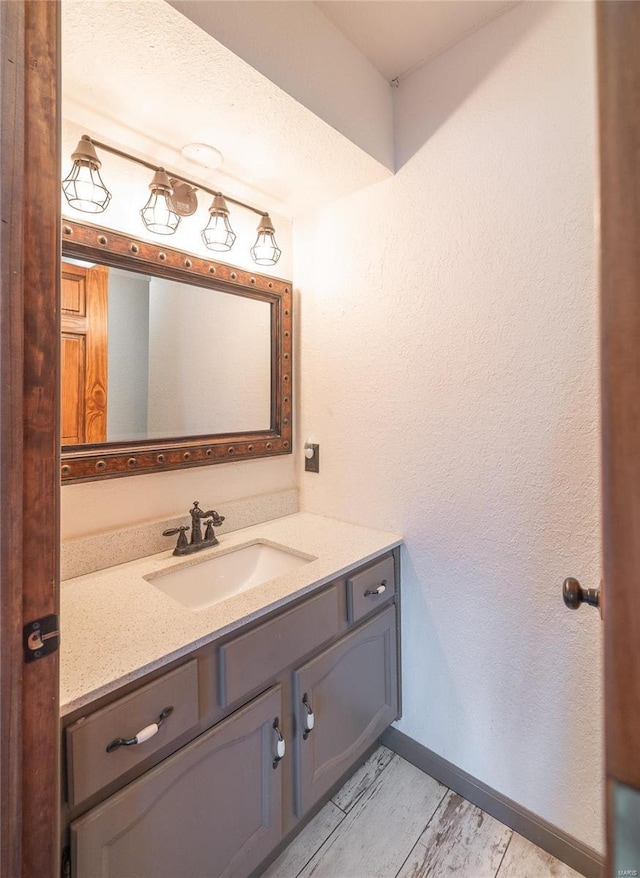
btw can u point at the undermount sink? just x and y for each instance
(202, 582)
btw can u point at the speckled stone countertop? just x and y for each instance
(116, 626)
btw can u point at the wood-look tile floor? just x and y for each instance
(390, 820)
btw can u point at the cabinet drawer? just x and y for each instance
(90, 767)
(254, 658)
(369, 589)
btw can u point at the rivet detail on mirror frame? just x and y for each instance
(83, 240)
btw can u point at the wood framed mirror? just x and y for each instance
(169, 360)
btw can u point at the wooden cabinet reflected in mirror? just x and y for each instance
(168, 359)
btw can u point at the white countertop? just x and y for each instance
(116, 626)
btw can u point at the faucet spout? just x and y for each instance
(196, 518)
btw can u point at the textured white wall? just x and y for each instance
(300, 50)
(209, 361)
(154, 80)
(114, 504)
(128, 356)
(449, 372)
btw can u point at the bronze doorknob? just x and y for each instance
(573, 594)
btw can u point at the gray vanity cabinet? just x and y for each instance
(213, 809)
(350, 691)
(206, 797)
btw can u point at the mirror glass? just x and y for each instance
(168, 358)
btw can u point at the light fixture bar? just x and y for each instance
(179, 176)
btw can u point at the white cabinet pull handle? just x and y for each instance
(372, 592)
(141, 736)
(280, 743)
(310, 719)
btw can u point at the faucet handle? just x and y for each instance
(182, 540)
(214, 521)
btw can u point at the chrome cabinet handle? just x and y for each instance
(143, 735)
(574, 595)
(372, 592)
(281, 747)
(310, 719)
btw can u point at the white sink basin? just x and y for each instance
(202, 582)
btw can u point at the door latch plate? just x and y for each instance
(41, 637)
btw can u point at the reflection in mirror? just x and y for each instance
(209, 361)
(170, 359)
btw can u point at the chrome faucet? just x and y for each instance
(197, 541)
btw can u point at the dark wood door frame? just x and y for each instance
(618, 32)
(29, 463)
(11, 210)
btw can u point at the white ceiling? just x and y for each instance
(153, 81)
(144, 78)
(396, 36)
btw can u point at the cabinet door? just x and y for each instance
(213, 810)
(83, 374)
(353, 693)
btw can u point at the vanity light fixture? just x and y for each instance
(218, 234)
(83, 186)
(183, 200)
(158, 214)
(265, 251)
(172, 197)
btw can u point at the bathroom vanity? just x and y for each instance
(209, 705)
(252, 713)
